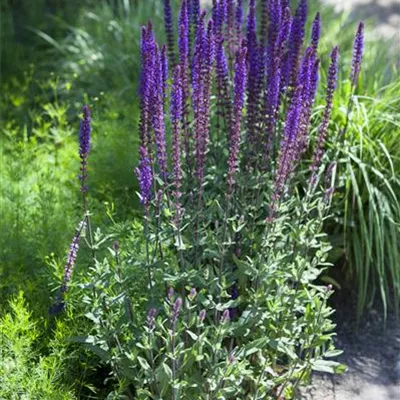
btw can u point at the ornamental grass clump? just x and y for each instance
(232, 244)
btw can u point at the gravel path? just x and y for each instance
(372, 356)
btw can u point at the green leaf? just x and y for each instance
(143, 363)
(255, 346)
(331, 367)
(103, 354)
(192, 335)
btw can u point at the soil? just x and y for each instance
(372, 356)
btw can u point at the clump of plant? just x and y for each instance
(24, 374)
(232, 240)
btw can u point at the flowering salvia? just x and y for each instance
(72, 254)
(235, 186)
(68, 268)
(332, 79)
(264, 65)
(150, 318)
(84, 150)
(176, 309)
(144, 175)
(358, 49)
(84, 146)
(316, 31)
(169, 30)
(234, 139)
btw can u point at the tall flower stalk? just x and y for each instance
(246, 234)
(331, 86)
(358, 49)
(84, 149)
(169, 29)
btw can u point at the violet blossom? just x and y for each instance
(169, 30)
(316, 31)
(358, 49)
(331, 86)
(240, 87)
(145, 176)
(176, 118)
(84, 146)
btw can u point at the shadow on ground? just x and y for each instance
(372, 355)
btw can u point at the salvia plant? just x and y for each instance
(232, 242)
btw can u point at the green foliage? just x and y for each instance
(367, 206)
(366, 231)
(24, 374)
(261, 342)
(280, 333)
(36, 212)
(92, 47)
(102, 46)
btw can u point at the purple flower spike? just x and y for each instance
(146, 88)
(176, 119)
(332, 79)
(176, 309)
(275, 17)
(68, 269)
(202, 315)
(296, 41)
(170, 293)
(71, 258)
(231, 28)
(240, 87)
(194, 14)
(164, 70)
(150, 318)
(184, 63)
(84, 145)
(288, 151)
(158, 119)
(316, 31)
(169, 29)
(265, 12)
(239, 18)
(224, 106)
(194, 9)
(84, 134)
(285, 4)
(183, 32)
(225, 318)
(306, 80)
(145, 176)
(253, 88)
(220, 17)
(274, 73)
(203, 61)
(192, 294)
(358, 49)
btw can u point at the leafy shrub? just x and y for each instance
(232, 239)
(23, 373)
(35, 211)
